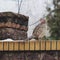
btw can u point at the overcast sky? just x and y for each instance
(35, 9)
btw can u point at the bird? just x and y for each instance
(40, 30)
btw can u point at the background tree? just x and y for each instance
(53, 20)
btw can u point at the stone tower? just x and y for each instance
(13, 25)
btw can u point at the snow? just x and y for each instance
(7, 40)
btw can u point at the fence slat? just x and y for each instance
(26, 45)
(37, 45)
(5, 46)
(1, 46)
(31, 45)
(21, 46)
(48, 45)
(16, 46)
(11, 46)
(53, 45)
(58, 45)
(43, 45)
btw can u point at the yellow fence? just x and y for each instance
(30, 45)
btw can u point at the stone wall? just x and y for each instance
(30, 55)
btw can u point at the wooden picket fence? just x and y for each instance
(43, 45)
